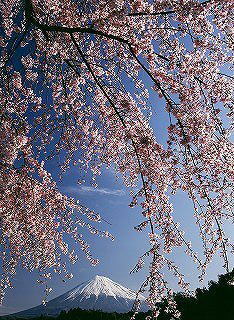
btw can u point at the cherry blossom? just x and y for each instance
(64, 66)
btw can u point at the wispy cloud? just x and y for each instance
(87, 189)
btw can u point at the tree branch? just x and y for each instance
(120, 117)
(161, 13)
(29, 14)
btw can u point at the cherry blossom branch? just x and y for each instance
(188, 146)
(84, 109)
(14, 47)
(71, 30)
(118, 114)
(162, 13)
(44, 27)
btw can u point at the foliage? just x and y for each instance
(213, 303)
(80, 314)
(64, 66)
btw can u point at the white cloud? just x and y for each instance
(86, 189)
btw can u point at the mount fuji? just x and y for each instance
(99, 293)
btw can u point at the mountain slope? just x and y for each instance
(100, 293)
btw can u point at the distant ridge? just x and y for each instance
(99, 293)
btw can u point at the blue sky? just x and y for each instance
(117, 257)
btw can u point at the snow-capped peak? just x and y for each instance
(99, 293)
(101, 285)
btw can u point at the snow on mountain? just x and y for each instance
(99, 293)
(101, 285)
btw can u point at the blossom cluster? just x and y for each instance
(64, 66)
